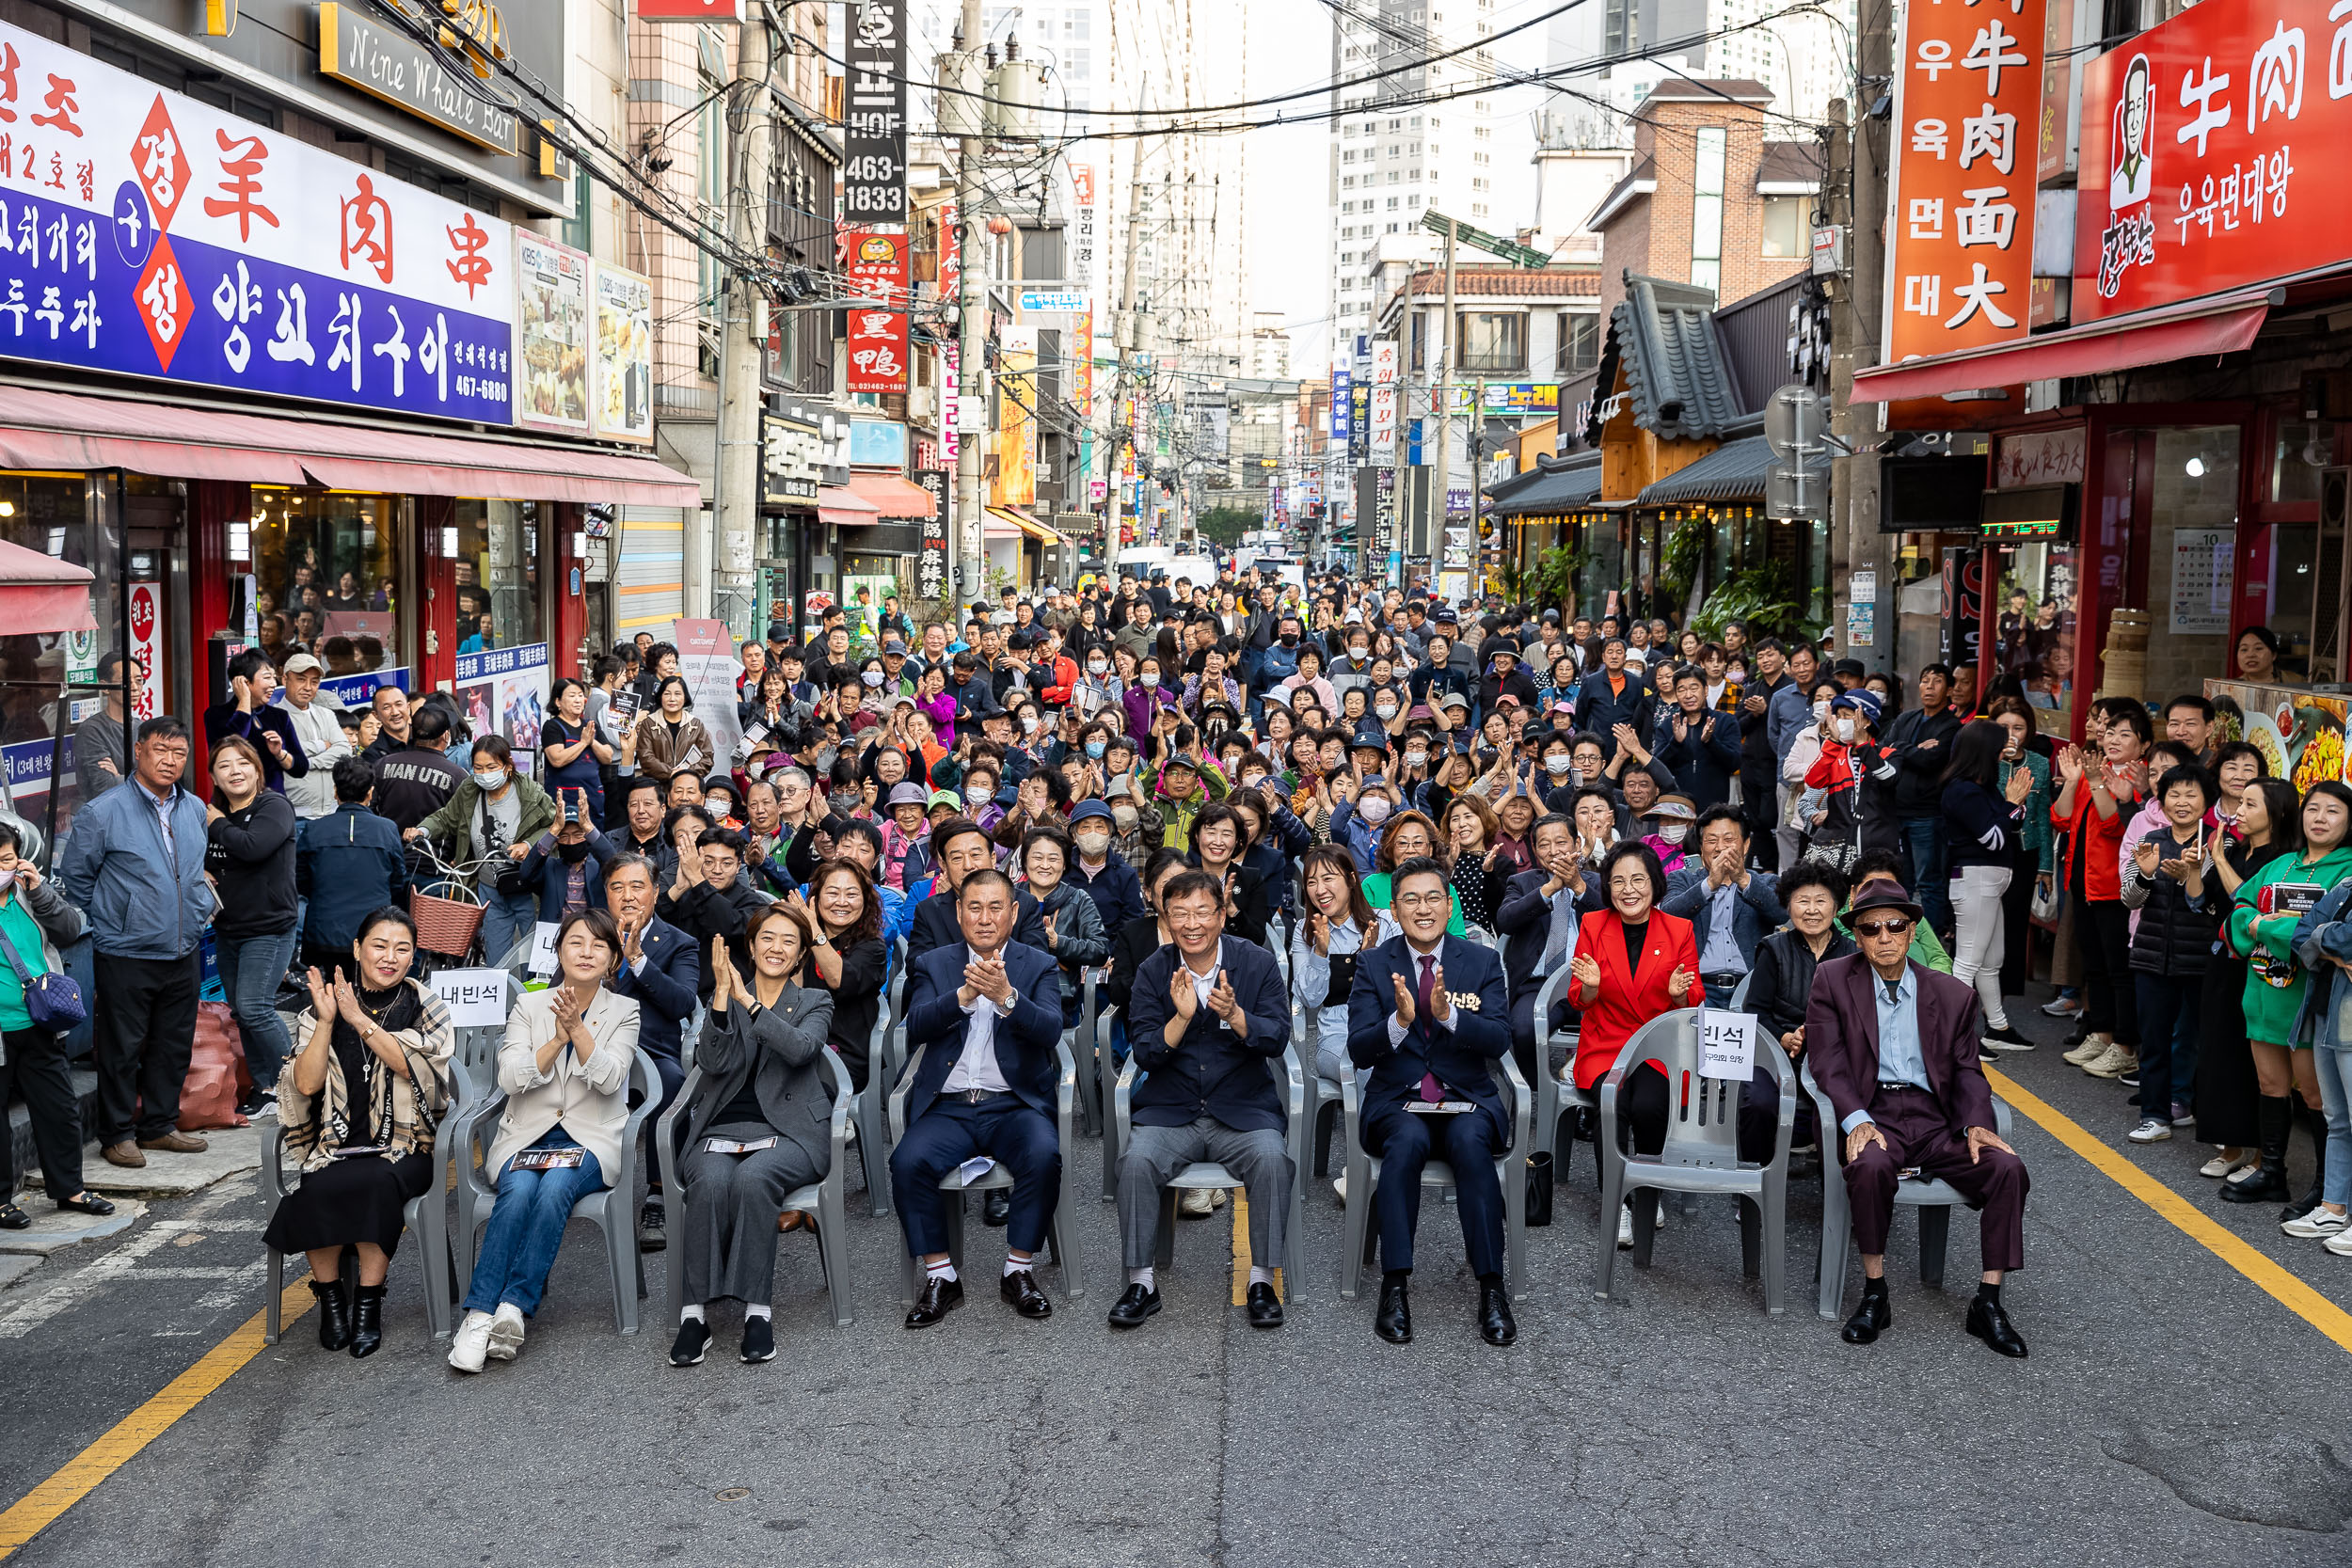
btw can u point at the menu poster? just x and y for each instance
(621, 385)
(550, 335)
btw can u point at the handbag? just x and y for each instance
(54, 1000)
(2046, 910)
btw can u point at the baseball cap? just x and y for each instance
(1672, 807)
(1088, 810)
(298, 664)
(1454, 699)
(1861, 699)
(907, 794)
(894, 646)
(1369, 737)
(944, 798)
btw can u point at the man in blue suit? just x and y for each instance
(1428, 1014)
(990, 1009)
(661, 971)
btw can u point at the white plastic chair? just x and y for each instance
(825, 1200)
(1363, 1175)
(610, 1209)
(952, 1186)
(1209, 1176)
(1701, 1154)
(1935, 1201)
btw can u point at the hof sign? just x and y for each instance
(874, 134)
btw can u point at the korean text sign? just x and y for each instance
(877, 266)
(146, 233)
(2191, 136)
(874, 130)
(1961, 211)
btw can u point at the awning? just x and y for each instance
(1733, 471)
(45, 429)
(1549, 491)
(1009, 524)
(842, 507)
(2222, 325)
(891, 496)
(41, 593)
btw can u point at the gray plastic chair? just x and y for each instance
(426, 1216)
(868, 1117)
(1363, 1175)
(1738, 1003)
(825, 1200)
(1701, 1154)
(1092, 1084)
(610, 1209)
(952, 1186)
(1290, 1080)
(1106, 1072)
(1557, 1097)
(1935, 1201)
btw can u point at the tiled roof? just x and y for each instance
(1582, 282)
(1548, 487)
(1663, 336)
(1733, 471)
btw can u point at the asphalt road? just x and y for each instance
(2171, 1411)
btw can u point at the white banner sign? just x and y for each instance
(1726, 1044)
(476, 998)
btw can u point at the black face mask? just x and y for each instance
(573, 853)
(1290, 639)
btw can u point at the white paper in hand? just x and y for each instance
(1726, 1044)
(974, 1168)
(543, 949)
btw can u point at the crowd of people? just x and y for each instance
(1429, 811)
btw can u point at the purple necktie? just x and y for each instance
(1431, 1090)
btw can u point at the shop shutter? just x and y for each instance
(646, 587)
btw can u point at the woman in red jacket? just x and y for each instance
(2099, 794)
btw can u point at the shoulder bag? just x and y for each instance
(54, 1000)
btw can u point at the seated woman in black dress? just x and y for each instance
(846, 957)
(360, 1104)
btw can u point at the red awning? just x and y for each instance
(40, 594)
(891, 496)
(45, 429)
(2222, 325)
(843, 507)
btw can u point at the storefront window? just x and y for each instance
(321, 574)
(2299, 451)
(2192, 513)
(498, 575)
(2033, 638)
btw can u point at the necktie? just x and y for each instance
(1431, 1090)
(1562, 928)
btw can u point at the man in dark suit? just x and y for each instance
(1207, 1014)
(660, 969)
(991, 1010)
(1612, 696)
(1538, 923)
(959, 848)
(1894, 1045)
(1427, 1014)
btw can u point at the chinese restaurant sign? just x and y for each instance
(146, 233)
(1960, 212)
(877, 266)
(2192, 133)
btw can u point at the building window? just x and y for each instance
(1580, 343)
(1493, 342)
(1787, 226)
(327, 564)
(1706, 209)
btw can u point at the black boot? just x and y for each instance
(2274, 1114)
(367, 1320)
(334, 1299)
(2316, 1125)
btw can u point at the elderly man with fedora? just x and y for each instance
(1894, 1045)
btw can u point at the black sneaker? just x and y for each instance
(693, 1337)
(759, 1337)
(649, 1223)
(256, 1105)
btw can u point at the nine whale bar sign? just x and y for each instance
(357, 49)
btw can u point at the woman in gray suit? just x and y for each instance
(756, 1129)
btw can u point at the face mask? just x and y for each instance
(1251, 781)
(1093, 845)
(976, 796)
(1096, 748)
(1672, 832)
(1555, 766)
(844, 801)
(1096, 666)
(1737, 678)
(1357, 654)
(489, 778)
(1126, 817)
(871, 677)
(1151, 677)
(1375, 809)
(1820, 709)
(1416, 759)
(1290, 639)
(573, 853)
(1029, 723)
(1845, 729)
(1386, 711)
(7, 877)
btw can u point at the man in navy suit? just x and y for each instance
(1427, 1014)
(990, 1009)
(1207, 1013)
(660, 968)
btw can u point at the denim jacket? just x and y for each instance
(2322, 934)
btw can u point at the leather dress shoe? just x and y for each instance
(177, 1142)
(1265, 1307)
(937, 1298)
(1394, 1321)
(1021, 1293)
(1134, 1303)
(997, 1206)
(1495, 1323)
(126, 1154)
(1868, 1321)
(1987, 1321)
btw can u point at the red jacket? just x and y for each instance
(1065, 680)
(2098, 839)
(1627, 1002)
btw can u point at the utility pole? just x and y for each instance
(1856, 325)
(736, 452)
(1445, 423)
(967, 557)
(1130, 339)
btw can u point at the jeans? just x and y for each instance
(506, 919)
(2170, 1007)
(1923, 845)
(1980, 917)
(518, 1244)
(2334, 1063)
(251, 969)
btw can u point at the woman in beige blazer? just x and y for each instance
(565, 1067)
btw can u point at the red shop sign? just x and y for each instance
(877, 266)
(689, 10)
(2192, 136)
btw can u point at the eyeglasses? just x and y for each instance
(1881, 927)
(1421, 900)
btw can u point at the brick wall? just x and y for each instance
(1652, 237)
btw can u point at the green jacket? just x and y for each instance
(2038, 836)
(2267, 940)
(454, 822)
(1926, 947)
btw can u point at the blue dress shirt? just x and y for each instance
(1901, 1060)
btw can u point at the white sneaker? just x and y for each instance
(1338, 1185)
(2319, 1223)
(506, 1332)
(1216, 1197)
(2340, 1243)
(2221, 1165)
(2151, 1130)
(1195, 1204)
(2062, 1007)
(470, 1343)
(2090, 1051)
(2248, 1171)
(2114, 1063)
(1624, 1227)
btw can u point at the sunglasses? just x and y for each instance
(1882, 927)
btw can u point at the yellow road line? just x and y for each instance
(2233, 1249)
(1242, 1258)
(81, 1475)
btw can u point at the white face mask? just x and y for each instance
(1555, 766)
(1820, 709)
(1844, 730)
(491, 779)
(1672, 832)
(1386, 711)
(1096, 666)
(871, 677)
(1416, 759)
(1029, 723)
(1151, 677)
(976, 796)
(1093, 846)
(1375, 809)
